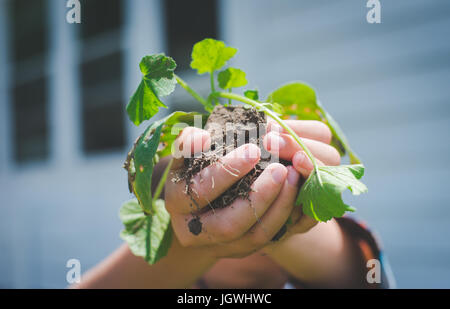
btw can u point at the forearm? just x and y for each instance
(179, 269)
(321, 257)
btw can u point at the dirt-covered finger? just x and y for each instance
(191, 141)
(230, 223)
(274, 220)
(212, 180)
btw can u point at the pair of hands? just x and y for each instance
(246, 226)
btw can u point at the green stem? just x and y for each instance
(229, 100)
(213, 87)
(191, 91)
(162, 181)
(275, 117)
(148, 238)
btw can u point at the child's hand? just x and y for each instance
(317, 137)
(242, 227)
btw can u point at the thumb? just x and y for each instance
(191, 141)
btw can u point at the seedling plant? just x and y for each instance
(146, 222)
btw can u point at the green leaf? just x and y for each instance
(252, 94)
(210, 55)
(231, 78)
(147, 236)
(143, 164)
(321, 195)
(299, 99)
(143, 105)
(157, 66)
(162, 132)
(158, 80)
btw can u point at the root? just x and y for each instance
(258, 219)
(228, 171)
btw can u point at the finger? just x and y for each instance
(276, 216)
(300, 223)
(212, 181)
(270, 224)
(311, 129)
(285, 147)
(303, 164)
(230, 223)
(191, 140)
(303, 225)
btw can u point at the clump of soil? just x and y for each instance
(230, 127)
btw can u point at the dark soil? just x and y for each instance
(242, 126)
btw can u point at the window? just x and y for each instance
(30, 119)
(29, 81)
(188, 22)
(29, 24)
(102, 107)
(100, 16)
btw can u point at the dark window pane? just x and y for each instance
(30, 121)
(103, 127)
(107, 68)
(102, 108)
(29, 28)
(29, 90)
(188, 22)
(100, 16)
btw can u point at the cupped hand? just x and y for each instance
(246, 226)
(243, 227)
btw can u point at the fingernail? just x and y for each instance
(205, 140)
(302, 161)
(252, 153)
(197, 142)
(275, 141)
(274, 127)
(278, 174)
(292, 176)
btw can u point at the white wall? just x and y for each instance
(386, 84)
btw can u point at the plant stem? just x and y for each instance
(229, 100)
(190, 90)
(162, 181)
(148, 238)
(213, 87)
(275, 117)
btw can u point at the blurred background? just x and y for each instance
(64, 132)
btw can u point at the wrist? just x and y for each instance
(184, 264)
(201, 256)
